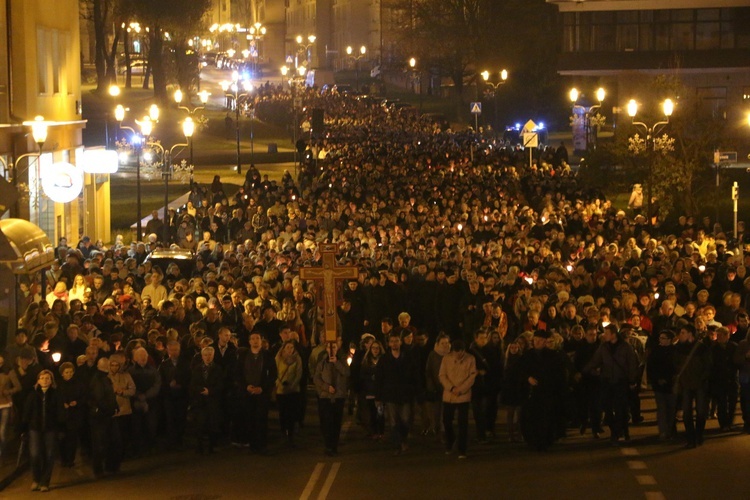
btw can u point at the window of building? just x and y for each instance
(713, 99)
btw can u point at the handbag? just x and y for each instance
(677, 387)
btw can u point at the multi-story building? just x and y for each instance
(706, 43)
(40, 75)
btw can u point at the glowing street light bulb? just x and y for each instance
(153, 112)
(203, 96)
(573, 94)
(668, 107)
(600, 93)
(119, 113)
(178, 96)
(114, 90)
(632, 108)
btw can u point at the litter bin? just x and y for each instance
(273, 148)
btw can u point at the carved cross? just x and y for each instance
(328, 275)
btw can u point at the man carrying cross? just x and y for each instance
(327, 276)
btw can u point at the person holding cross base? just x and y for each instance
(331, 383)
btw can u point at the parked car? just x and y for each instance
(183, 258)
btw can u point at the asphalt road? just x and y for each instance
(576, 468)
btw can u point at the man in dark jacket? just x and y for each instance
(617, 365)
(486, 384)
(396, 386)
(256, 377)
(145, 417)
(106, 441)
(586, 389)
(542, 370)
(723, 379)
(692, 360)
(206, 381)
(174, 372)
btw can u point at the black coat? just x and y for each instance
(72, 391)
(102, 402)
(268, 372)
(660, 368)
(179, 373)
(44, 412)
(397, 379)
(213, 381)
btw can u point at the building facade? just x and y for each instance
(705, 43)
(40, 75)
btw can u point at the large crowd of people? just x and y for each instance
(485, 283)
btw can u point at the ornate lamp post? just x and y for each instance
(493, 86)
(582, 107)
(234, 94)
(650, 131)
(350, 53)
(305, 47)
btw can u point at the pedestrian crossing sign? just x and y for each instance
(476, 108)
(289, 59)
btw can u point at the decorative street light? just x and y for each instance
(584, 110)
(166, 173)
(232, 92)
(493, 87)
(305, 47)
(296, 101)
(667, 108)
(39, 128)
(416, 80)
(350, 53)
(256, 33)
(114, 92)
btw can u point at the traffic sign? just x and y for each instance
(476, 108)
(289, 59)
(530, 126)
(725, 156)
(530, 140)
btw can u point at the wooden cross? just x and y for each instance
(328, 275)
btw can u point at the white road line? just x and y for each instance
(636, 465)
(313, 481)
(329, 481)
(645, 480)
(629, 452)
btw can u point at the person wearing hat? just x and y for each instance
(543, 374)
(617, 365)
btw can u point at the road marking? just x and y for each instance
(629, 452)
(645, 480)
(313, 480)
(636, 465)
(329, 481)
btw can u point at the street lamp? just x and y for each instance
(493, 86)
(667, 108)
(350, 53)
(305, 47)
(257, 32)
(188, 127)
(582, 106)
(416, 80)
(232, 91)
(114, 92)
(296, 102)
(39, 128)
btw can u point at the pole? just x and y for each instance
(165, 174)
(476, 123)
(237, 131)
(357, 77)
(735, 191)
(252, 136)
(192, 165)
(138, 193)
